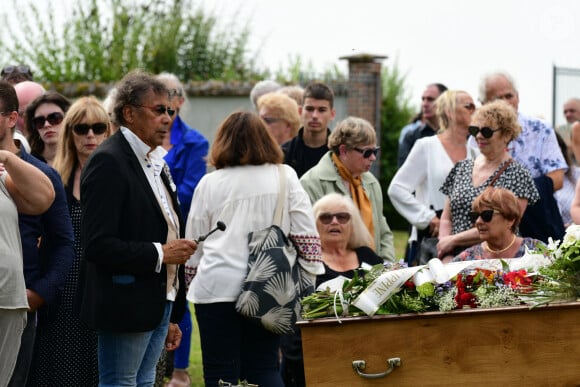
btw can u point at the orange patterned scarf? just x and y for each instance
(358, 194)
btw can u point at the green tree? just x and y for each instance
(101, 40)
(395, 113)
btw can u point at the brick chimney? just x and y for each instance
(365, 91)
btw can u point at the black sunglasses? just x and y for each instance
(159, 109)
(341, 217)
(486, 132)
(366, 153)
(53, 119)
(19, 69)
(83, 129)
(485, 215)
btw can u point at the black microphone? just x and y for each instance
(219, 226)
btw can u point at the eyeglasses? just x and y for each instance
(53, 119)
(271, 120)
(485, 215)
(159, 109)
(341, 217)
(83, 129)
(366, 153)
(486, 132)
(19, 69)
(470, 106)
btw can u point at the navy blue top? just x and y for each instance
(46, 266)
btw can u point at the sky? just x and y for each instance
(454, 42)
(449, 41)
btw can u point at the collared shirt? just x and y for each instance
(537, 147)
(152, 163)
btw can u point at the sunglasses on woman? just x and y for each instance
(83, 129)
(486, 131)
(486, 215)
(341, 217)
(366, 153)
(53, 119)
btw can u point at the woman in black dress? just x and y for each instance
(65, 353)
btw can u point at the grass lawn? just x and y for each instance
(195, 367)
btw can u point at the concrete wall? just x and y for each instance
(206, 113)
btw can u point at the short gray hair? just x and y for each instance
(261, 88)
(485, 79)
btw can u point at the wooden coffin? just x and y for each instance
(487, 347)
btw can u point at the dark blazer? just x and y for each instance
(121, 218)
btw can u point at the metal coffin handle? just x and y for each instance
(360, 365)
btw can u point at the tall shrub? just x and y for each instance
(101, 40)
(395, 113)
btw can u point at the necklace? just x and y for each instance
(486, 246)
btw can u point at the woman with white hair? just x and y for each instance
(344, 238)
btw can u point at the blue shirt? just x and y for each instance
(186, 161)
(537, 147)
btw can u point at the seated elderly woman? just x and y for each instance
(496, 214)
(344, 238)
(345, 169)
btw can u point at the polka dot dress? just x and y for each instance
(65, 352)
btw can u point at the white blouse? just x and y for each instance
(244, 198)
(423, 173)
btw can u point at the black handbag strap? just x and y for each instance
(498, 174)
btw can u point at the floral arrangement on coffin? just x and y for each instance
(549, 275)
(472, 288)
(560, 280)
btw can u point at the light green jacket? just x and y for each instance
(323, 179)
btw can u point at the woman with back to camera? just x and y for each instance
(414, 190)
(43, 120)
(493, 125)
(66, 350)
(496, 215)
(242, 193)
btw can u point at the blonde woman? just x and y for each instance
(414, 190)
(67, 341)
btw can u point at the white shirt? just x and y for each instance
(244, 198)
(423, 172)
(152, 163)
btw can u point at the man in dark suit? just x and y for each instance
(134, 287)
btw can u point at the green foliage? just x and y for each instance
(101, 40)
(297, 71)
(395, 113)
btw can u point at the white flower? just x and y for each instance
(553, 245)
(572, 234)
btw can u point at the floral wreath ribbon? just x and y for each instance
(385, 286)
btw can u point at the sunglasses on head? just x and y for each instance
(341, 217)
(486, 132)
(159, 109)
(485, 215)
(366, 153)
(53, 119)
(83, 129)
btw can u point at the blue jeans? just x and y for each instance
(129, 359)
(234, 348)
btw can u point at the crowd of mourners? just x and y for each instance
(108, 211)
